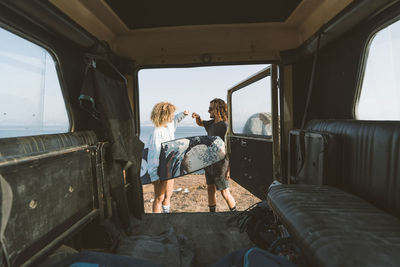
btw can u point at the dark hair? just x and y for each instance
(221, 108)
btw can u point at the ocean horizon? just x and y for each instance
(7, 131)
(181, 131)
(145, 131)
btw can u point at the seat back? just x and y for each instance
(370, 159)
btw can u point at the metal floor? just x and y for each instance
(208, 234)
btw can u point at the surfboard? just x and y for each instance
(183, 156)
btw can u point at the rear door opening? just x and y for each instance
(192, 89)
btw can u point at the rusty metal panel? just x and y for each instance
(51, 191)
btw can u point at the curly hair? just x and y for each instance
(161, 113)
(221, 109)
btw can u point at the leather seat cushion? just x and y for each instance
(334, 228)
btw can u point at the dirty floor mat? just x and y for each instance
(166, 249)
(203, 238)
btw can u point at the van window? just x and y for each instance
(380, 89)
(31, 101)
(251, 109)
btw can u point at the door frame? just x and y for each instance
(271, 71)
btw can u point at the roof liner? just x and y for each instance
(222, 43)
(151, 14)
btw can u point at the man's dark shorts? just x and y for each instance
(220, 182)
(215, 174)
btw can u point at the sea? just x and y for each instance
(145, 131)
(181, 131)
(18, 131)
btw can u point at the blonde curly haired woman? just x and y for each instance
(165, 124)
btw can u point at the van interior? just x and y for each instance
(324, 158)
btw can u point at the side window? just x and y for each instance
(251, 109)
(380, 90)
(31, 101)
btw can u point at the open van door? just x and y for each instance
(253, 133)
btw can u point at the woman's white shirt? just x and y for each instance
(160, 135)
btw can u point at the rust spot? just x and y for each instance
(33, 204)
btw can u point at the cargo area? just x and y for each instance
(197, 239)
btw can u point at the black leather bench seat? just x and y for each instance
(334, 228)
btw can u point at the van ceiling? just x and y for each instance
(150, 14)
(155, 33)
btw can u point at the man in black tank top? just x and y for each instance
(217, 175)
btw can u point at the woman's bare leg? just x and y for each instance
(168, 192)
(160, 188)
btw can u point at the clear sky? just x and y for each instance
(30, 92)
(189, 88)
(380, 94)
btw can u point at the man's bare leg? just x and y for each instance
(212, 198)
(226, 194)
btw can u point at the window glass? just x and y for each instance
(31, 101)
(251, 109)
(380, 90)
